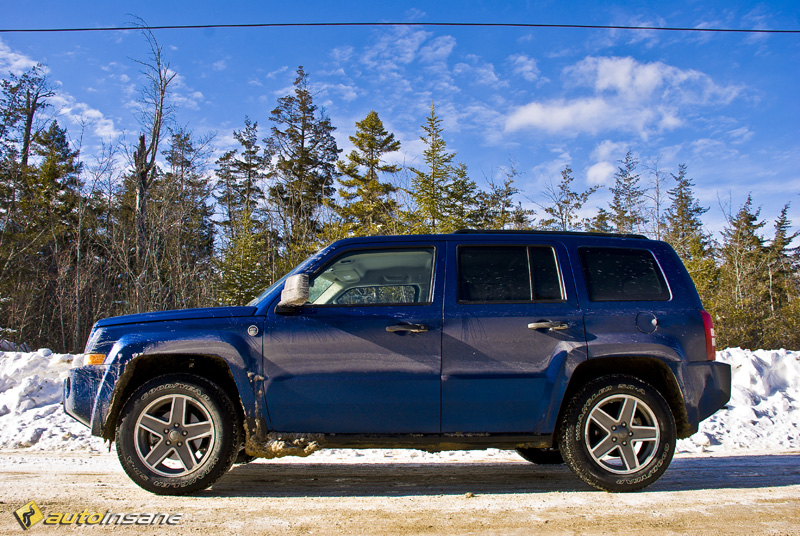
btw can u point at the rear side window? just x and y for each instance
(619, 274)
(508, 274)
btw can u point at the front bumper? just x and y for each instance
(87, 393)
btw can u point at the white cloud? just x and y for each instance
(609, 150)
(627, 96)
(219, 65)
(14, 62)
(438, 50)
(479, 72)
(600, 173)
(524, 66)
(81, 114)
(398, 47)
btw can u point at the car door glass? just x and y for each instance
(493, 274)
(376, 277)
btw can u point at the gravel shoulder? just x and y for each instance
(350, 493)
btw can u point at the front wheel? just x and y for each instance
(178, 434)
(618, 434)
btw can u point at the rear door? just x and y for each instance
(511, 323)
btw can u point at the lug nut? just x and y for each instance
(180, 444)
(614, 439)
(168, 443)
(613, 428)
(166, 430)
(187, 433)
(176, 425)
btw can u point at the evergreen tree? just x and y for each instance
(461, 210)
(304, 155)
(429, 186)
(684, 232)
(741, 299)
(497, 207)
(626, 205)
(369, 207)
(684, 226)
(783, 286)
(564, 204)
(601, 223)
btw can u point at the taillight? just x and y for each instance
(711, 338)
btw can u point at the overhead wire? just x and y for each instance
(379, 24)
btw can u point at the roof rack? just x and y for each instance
(538, 232)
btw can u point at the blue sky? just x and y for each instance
(724, 104)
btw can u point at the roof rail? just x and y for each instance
(539, 232)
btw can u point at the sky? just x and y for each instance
(726, 105)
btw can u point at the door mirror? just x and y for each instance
(295, 291)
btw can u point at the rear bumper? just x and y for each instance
(708, 388)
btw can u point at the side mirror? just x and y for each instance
(295, 291)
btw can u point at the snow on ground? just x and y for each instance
(763, 414)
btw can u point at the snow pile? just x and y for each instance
(31, 414)
(763, 414)
(764, 410)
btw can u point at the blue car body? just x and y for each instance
(478, 376)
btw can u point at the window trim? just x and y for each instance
(528, 248)
(325, 266)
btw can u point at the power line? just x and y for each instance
(378, 24)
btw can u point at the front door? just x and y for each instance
(510, 322)
(364, 355)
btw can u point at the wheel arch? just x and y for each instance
(144, 368)
(650, 370)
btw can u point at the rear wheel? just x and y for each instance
(178, 434)
(618, 434)
(549, 456)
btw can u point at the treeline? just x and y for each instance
(88, 236)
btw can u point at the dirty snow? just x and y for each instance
(763, 414)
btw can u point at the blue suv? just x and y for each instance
(584, 348)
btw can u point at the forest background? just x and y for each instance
(163, 222)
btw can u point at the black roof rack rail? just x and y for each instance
(539, 232)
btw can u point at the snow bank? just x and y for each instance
(763, 414)
(31, 414)
(764, 410)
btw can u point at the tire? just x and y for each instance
(550, 456)
(177, 434)
(618, 434)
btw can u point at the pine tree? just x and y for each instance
(368, 207)
(601, 223)
(429, 186)
(461, 202)
(741, 299)
(783, 286)
(497, 209)
(304, 155)
(564, 204)
(626, 205)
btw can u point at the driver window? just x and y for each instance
(375, 277)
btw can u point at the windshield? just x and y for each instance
(300, 268)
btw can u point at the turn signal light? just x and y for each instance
(95, 359)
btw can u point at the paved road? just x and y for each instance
(737, 495)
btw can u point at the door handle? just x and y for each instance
(549, 326)
(413, 328)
